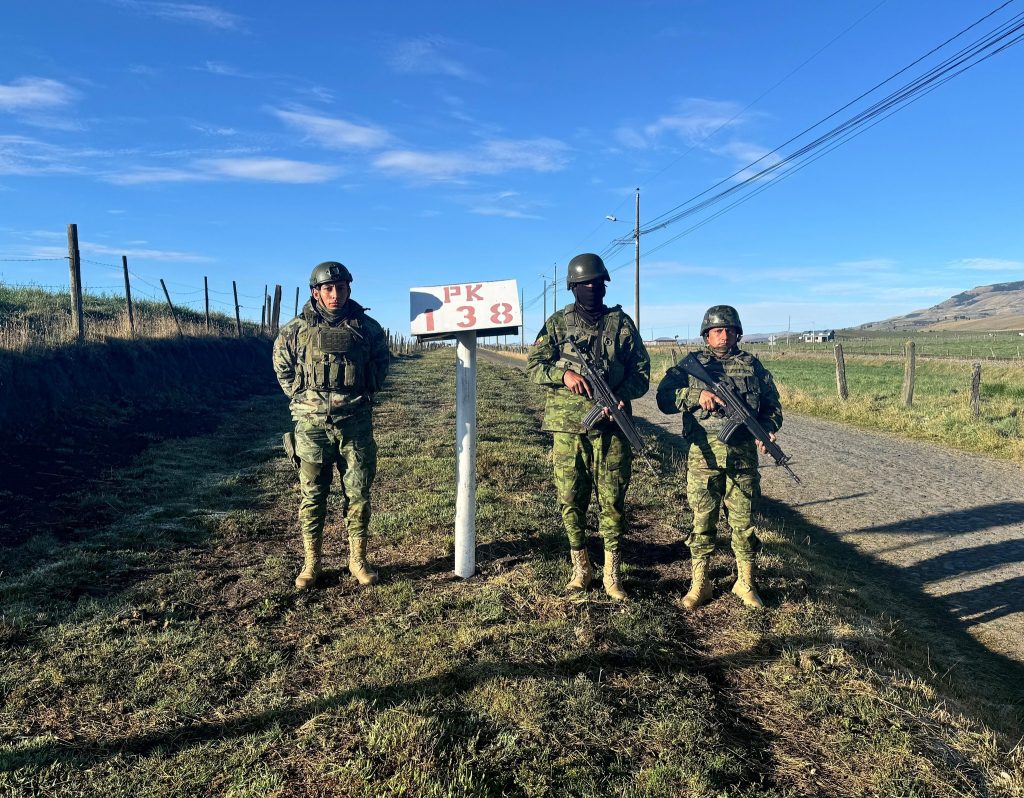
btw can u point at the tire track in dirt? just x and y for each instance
(951, 522)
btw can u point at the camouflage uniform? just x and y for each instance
(330, 373)
(719, 473)
(602, 455)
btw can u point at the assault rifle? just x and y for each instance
(604, 397)
(736, 412)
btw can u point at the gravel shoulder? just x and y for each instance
(952, 523)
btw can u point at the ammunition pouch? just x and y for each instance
(336, 359)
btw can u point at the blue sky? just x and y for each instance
(424, 143)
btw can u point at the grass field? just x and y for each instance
(941, 406)
(1005, 345)
(162, 651)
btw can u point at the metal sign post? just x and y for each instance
(465, 455)
(464, 312)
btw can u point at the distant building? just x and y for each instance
(818, 337)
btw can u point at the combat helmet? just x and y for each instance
(584, 268)
(721, 316)
(330, 271)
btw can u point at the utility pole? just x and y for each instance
(554, 286)
(544, 277)
(636, 236)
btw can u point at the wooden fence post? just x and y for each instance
(238, 318)
(976, 390)
(75, 265)
(844, 394)
(174, 315)
(908, 375)
(275, 317)
(128, 296)
(206, 294)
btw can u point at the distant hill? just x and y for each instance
(986, 308)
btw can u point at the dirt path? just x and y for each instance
(952, 522)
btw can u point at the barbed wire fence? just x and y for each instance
(80, 311)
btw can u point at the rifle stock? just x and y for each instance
(737, 413)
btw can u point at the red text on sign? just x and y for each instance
(472, 292)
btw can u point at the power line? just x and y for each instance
(740, 113)
(967, 57)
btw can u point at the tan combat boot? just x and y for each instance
(744, 587)
(700, 585)
(357, 564)
(612, 578)
(311, 569)
(582, 571)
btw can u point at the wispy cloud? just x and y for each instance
(495, 156)
(335, 133)
(695, 124)
(868, 265)
(503, 204)
(695, 121)
(271, 170)
(506, 213)
(988, 265)
(22, 155)
(141, 175)
(208, 130)
(218, 68)
(426, 56)
(209, 16)
(267, 170)
(34, 94)
(88, 248)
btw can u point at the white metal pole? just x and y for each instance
(465, 460)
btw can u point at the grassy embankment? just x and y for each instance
(164, 652)
(32, 318)
(941, 409)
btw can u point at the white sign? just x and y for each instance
(443, 311)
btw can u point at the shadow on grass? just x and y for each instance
(740, 733)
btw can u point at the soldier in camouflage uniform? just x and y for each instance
(718, 473)
(330, 361)
(602, 457)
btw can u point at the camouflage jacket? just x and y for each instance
(330, 372)
(679, 392)
(615, 342)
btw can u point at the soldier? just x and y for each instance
(719, 473)
(330, 361)
(599, 458)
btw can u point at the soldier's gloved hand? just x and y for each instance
(576, 384)
(708, 401)
(760, 446)
(607, 411)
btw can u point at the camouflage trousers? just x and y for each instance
(582, 463)
(718, 474)
(349, 447)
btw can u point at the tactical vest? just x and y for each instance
(335, 357)
(601, 342)
(737, 369)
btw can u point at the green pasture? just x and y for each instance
(940, 411)
(939, 344)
